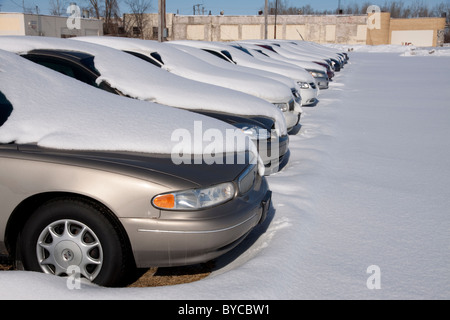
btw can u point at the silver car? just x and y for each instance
(104, 213)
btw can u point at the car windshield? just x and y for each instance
(6, 109)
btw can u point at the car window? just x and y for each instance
(6, 109)
(68, 71)
(157, 57)
(228, 55)
(84, 70)
(89, 63)
(260, 51)
(243, 50)
(217, 54)
(144, 57)
(266, 47)
(67, 67)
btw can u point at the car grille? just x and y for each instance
(247, 178)
(291, 105)
(295, 93)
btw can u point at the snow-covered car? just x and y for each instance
(318, 54)
(224, 61)
(237, 54)
(317, 71)
(89, 185)
(145, 50)
(121, 73)
(187, 66)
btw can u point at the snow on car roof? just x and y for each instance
(188, 66)
(56, 111)
(292, 59)
(140, 79)
(214, 60)
(247, 60)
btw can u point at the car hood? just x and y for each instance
(157, 168)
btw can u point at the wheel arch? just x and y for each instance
(28, 206)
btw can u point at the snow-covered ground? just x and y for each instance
(368, 184)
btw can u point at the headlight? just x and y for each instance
(317, 74)
(195, 199)
(303, 85)
(253, 131)
(284, 107)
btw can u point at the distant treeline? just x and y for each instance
(398, 9)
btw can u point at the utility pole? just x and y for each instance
(276, 14)
(161, 20)
(266, 19)
(198, 8)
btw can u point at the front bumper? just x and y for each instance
(274, 154)
(322, 82)
(292, 119)
(309, 96)
(186, 238)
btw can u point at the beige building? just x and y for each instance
(50, 26)
(426, 32)
(345, 29)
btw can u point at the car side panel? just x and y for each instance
(125, 196)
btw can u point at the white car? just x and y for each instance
(237, 54)
(292, 115)
(127, 75)
(185, 65)
(332, 60)
(317, 71)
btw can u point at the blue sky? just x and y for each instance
(230, 7)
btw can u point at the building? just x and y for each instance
(344, 29)
(50, 26)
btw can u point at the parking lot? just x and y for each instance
(366, 185)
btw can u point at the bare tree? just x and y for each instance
(108, 10)
(95, 8)
(138, 15)
(57, 7)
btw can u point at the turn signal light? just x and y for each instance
(166, 201)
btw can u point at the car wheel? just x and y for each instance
(67, 235)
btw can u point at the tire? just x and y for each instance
(66, 233)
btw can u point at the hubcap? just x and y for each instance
(67, 243)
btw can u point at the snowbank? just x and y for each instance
(404, 50)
